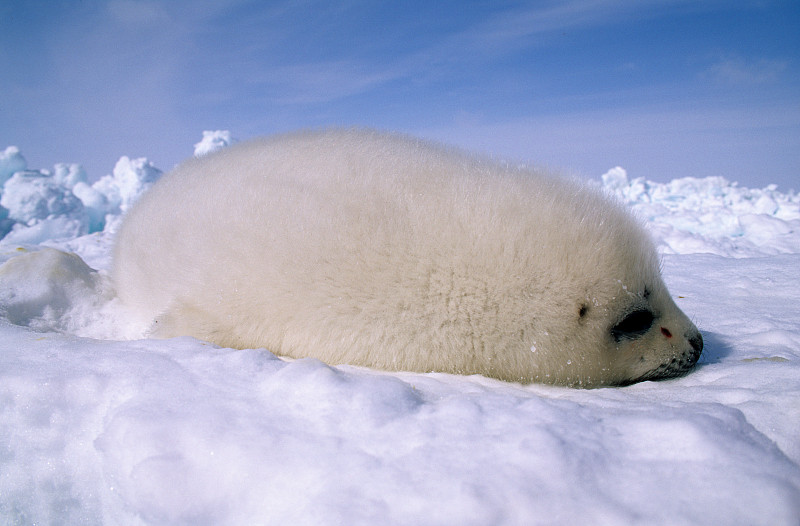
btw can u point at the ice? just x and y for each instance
(11, 162)
(712, 215)
(31, 196)
(130, 178)
(40, 208)
(41, 231)
(99, 426)
(212, 141)
(68, 175)
(38, 205)
(94, 202)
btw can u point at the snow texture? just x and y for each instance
(98, 426)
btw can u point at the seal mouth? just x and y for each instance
(680, 364)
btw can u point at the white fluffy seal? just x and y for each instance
(386, 251)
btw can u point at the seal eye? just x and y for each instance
(633, 325)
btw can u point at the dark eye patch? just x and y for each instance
(634, 325)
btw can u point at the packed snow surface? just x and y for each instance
(99, 426)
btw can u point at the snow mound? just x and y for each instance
(49, 290)
(130, 178)
(40, 205)
(712, 215)
(41, 208)
(11, 161)
(182, 432)
(212, 141)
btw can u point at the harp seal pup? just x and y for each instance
(386, 251)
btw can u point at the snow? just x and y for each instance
(11, 161)
(99, 426)
(212, 141)
(712, 215)
(41, 205)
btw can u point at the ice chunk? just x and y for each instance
(130, 178)
(711, 215)
(48, 289)
(31, 196)
(11, 162)
(53, 228)
(212, 141)
(68, 175)
(94, 202)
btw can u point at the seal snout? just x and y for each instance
(680, 363)
(686, 362)
(696, 341)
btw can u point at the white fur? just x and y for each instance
(385, 251)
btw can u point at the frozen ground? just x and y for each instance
(98, 427)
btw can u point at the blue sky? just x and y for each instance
(663, 88)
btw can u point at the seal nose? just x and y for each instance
(696, 341)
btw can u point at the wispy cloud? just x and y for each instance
(320, 82)
(145, 76)
(337, 70)
(137, 12)
(537, 23)
(740, 71)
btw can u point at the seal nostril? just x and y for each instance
(666, 332)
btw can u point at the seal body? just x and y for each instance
(386, 251)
